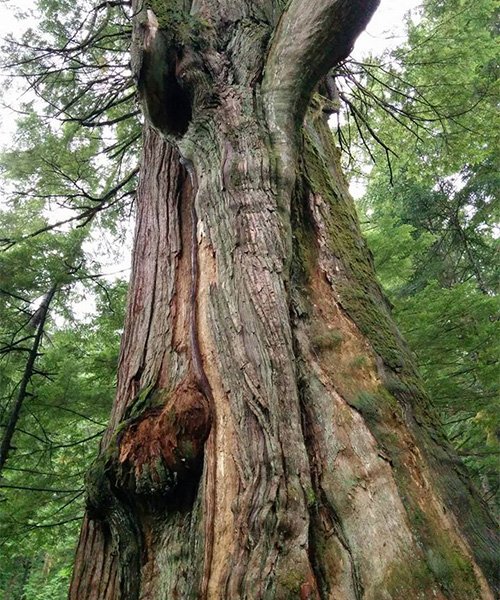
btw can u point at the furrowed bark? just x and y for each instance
(269, 437)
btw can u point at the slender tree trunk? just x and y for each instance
(38, 322)
(270, 437)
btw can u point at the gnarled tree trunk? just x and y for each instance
(270, 438)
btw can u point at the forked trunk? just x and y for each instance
(270, 437)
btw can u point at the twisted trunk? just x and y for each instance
(270, 438)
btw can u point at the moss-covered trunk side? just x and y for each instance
(269, 438)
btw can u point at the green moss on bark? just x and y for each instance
(358, 291)
(445, 571)
(181, 27)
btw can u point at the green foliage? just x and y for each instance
(68, 181)
(56, 438)
(74, 159)
(431, 221)
(455, 334)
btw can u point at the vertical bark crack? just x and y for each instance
(203, 384)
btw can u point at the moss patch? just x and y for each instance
(411, 580)
(368, 405)
(326, 340)
(356, 284)
(183, 28)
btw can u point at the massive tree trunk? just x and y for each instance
(270, 437)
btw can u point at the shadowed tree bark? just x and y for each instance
(270, 437)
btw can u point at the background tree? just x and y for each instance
(42, 485)
(57, 381)
(64, 183)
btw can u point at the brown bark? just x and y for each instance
(269, 437)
